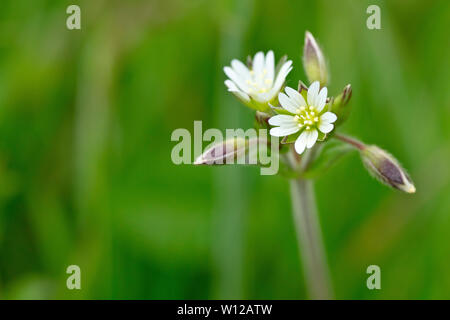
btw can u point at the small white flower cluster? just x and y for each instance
(259, 86)
(306, 115)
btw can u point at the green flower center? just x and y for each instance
(307, 117)
(259, 83)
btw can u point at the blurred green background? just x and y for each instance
(86, 176)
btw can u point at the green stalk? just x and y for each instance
(310, 239)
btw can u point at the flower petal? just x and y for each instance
(240, 68)
(328, 117)
(313, 92)
(287, 103)
(239, 81)
(283, 131)
(281, 77)
(326, 127)
(321, 99)
(300, 143)
(296, 96)
(311, 138)
(270, 65)
(236, 91)
(231, 85)
(258, 63)
(282, 119)
(242, 95)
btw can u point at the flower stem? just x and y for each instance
(351, 141)
(310, 239)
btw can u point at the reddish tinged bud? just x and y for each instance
(386, 168)
(314, 61)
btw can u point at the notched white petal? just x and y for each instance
(296, 96)
(313, 92)
(240, 68)
(258, 62)
(328, 117)
(231, 85)
(282, 119)
(283, 131)
(236, 91)
(322, 99)
(239, 81)
(311, 139)
(287, 103)
(270, 65)
(242, 95)
(326, 127)
(300, 143)
(281, 77)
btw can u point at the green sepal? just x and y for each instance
(283, 148)
(322, 136)
(280, 110)
(331, 153)
(291, 138)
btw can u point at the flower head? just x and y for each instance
(309, 118)
(260, 84)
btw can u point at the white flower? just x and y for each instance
(260, 85)
(308, 117)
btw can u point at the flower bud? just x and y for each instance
(236, 150)
(386, 168)
(223, 152)
(340, 104)
(314, 61)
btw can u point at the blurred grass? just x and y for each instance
(85, 170)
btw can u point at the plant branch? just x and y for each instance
(351, 141)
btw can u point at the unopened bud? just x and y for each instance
(236, 150)
(386, 168)
(314, 61)
(340, 105)
(223, 152)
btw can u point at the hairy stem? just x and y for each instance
(351, 141)
(308, 229)
(310, 239)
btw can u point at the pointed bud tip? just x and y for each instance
(198, 161)
(410, 189)
(340, 102)
(348, 89)
(308, 36)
